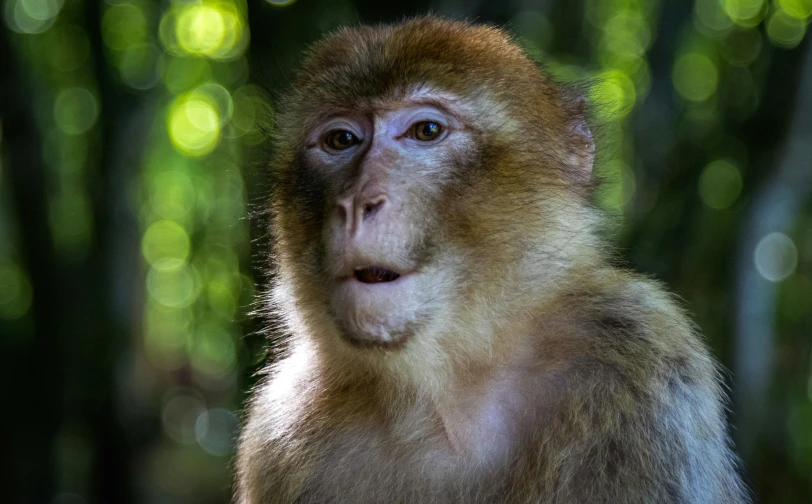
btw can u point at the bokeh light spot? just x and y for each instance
(219, 97)
(123, 25)
(720, 184)
(65, 153)
(167, 334)
(216, 431)
(171, 282)
(15, 291)
(179, 415)
(215, 30)
(626, 35)
(234, 42)
(213, 352)
(252, 114)
(181, 74)
(31, 16)
(137, 66)
(165, 239)
(172, 194)
(613, 94)
(744, 12)
(742, 47)
(42, 10)
(194, 125)
(281, 3)
(200, 29)
(75, 110)
(785, 30)
(221, 300)
(619, 185)
(709, 15)
(799, 9)
(641, 76)
(776, 257)
(695, 77)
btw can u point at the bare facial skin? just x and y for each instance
(383, 278)
(455, 330)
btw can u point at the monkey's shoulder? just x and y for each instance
(281, 438)
(631, 327)
(640, 400)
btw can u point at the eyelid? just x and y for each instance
(434, 114)
(429, 115)
(340, 127)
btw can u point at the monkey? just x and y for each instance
(455, 327)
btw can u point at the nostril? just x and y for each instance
(373, 207)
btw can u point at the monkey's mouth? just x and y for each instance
(375, 274)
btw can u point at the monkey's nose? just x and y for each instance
(356, 211)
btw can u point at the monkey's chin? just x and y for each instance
(380, 315)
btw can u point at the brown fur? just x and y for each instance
(553, 378)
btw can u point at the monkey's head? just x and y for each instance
(425, 171)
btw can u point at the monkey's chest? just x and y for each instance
(422, 462)
(376, 471)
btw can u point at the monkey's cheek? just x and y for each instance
(382, 315)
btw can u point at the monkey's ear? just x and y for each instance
(583, 146)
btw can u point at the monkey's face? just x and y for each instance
(425, 172)
(375, 186)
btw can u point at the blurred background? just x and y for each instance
(133, 175)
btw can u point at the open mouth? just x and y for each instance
(375, 274)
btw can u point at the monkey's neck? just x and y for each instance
(440, 369)
(473, 412)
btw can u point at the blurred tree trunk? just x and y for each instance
(774, 208)
(114, 266)
(64, 383)
(33, 374)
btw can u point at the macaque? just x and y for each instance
(455, 330)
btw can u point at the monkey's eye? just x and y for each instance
(427, 131)
(341, 139)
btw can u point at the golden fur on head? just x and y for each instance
(351, 68)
